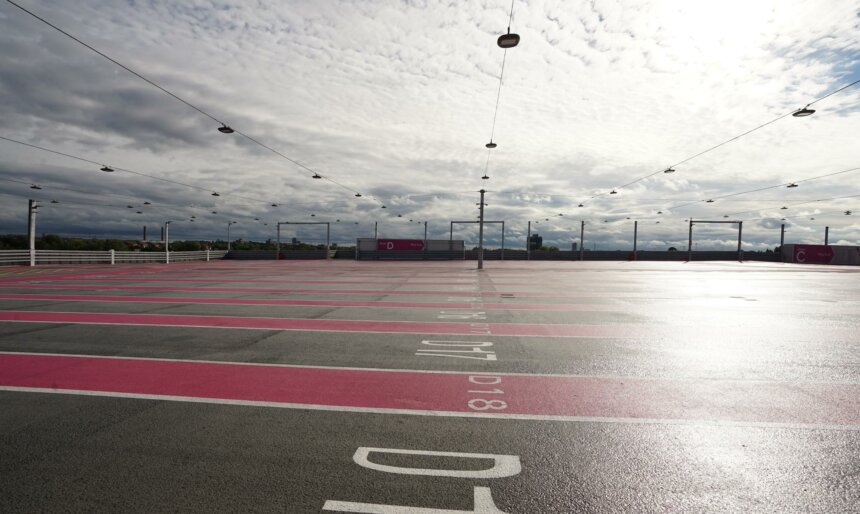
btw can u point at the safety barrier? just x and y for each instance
(23, 257)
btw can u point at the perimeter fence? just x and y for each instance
(42, 257)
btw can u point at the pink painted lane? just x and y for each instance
(434, 393)
(322, 325)
(543, 307)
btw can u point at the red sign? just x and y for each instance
(388, 245)
(813, 254)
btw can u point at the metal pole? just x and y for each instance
(228, 235)
(31, 230)
(781, 239)
(375, 230)
(481, 234)
(826, 235)
(425, 240)
(635, 234)
(581, 240)
(529, 243)
(690, 243)
(167, 243)
(740, 232)
(278, 244)
(502, 257)
(327, 239)
(451, 233)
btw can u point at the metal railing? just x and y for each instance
(24, 257)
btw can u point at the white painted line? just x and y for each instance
(430, 413)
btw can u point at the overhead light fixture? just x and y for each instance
(313, 215)
(581, 205)
(508, 40)
(34, 186)
(560, 214)
(107, 169)
(491, 144)
(358, 195)
(848, 213)
(669, 170)
(802, 113)
(146, 203)
(356, 223)
(783, 208)
(546, 219)
(811, 219)
(337, 221)
(659, 212)
(781, 219)
(399, 215)
(214, 212)
(255, 219)
(384, 207)
(613, 192)
(274, 205)
(725, 215)
(710, 201)
(224, 129)
(316, 176)
(139, 212)
(658, 222)
(485, 177)
(215, 194)
(54, 201)
(791, 185)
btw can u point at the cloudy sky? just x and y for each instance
(396, 100)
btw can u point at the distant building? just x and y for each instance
(535, 242)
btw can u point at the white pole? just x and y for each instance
(31, 230)
(112, 257)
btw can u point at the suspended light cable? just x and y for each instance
(784, 184)
(505, 42)
(727, 141)
(126, 170)
(224, 127)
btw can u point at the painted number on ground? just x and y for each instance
(475, 350)
(487, 392)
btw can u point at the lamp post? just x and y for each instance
(167, 242)
(228, 233)
(481, 233)
(31, 230)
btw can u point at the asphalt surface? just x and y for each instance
(415, 388)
